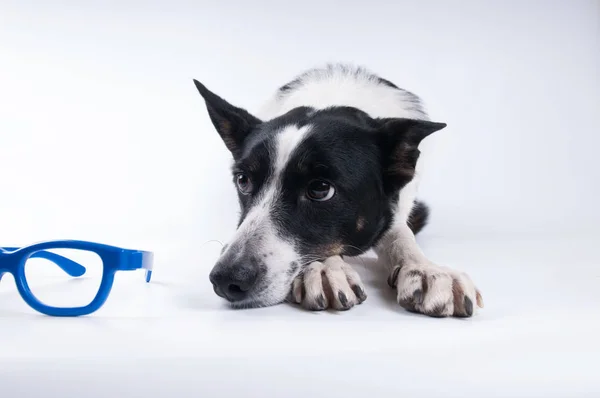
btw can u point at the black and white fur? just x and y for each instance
(329, 168)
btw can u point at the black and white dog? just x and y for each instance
(330, 168)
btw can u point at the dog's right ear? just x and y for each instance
(232, 123)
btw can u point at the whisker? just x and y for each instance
(214, 240)
(359, 256)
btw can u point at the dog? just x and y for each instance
(330, 168)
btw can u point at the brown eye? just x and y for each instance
(244, 184)
(319, 190)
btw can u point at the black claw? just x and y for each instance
(407, 303)
(418, 296)
(393, 277)
(321, 302)
(468, 306)
(360, 293)
(343, 299)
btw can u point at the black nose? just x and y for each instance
(233, 282)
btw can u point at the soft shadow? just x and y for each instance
(375, 276)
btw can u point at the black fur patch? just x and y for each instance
(341, 149)
(386, 82)
(418, 217)
(415, 273)
(351, 151)
(292, 268)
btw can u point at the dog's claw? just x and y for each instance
(329, 284)
(468, 306)
(321, 302)
(435, 291)
(343, 300)
(359, 293)
(393, 277)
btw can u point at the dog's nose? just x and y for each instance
(233, 282)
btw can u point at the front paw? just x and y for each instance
(329, 284)
(435, 291)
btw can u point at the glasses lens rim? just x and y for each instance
(41, 305)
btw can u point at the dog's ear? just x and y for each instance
(232, 123)
(399, 142)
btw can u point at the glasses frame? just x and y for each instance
(13, 259)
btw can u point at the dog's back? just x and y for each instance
(343, 85)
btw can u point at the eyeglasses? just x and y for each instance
(69, 277)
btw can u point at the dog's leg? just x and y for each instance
(421, 285)
(332, 283)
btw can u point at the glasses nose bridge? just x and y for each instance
(4, 264)
(8, 263)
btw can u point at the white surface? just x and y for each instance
(104, 137)
(538, 336)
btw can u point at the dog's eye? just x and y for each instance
(243, 183)
(319, 190)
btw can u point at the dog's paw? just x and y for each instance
(435, 291)
(329, 284)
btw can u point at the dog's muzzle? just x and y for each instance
(234, 279)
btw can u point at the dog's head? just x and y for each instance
(311, 185)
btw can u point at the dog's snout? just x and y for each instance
(233, 281)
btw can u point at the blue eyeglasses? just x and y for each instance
(69, 277)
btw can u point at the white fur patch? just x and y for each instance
(344, 86)
(258, 228)
(287, 141)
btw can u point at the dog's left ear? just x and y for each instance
(399, 142)
(232, 123)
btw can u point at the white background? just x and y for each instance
(104, 137)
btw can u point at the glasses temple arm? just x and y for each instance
(137, 259)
